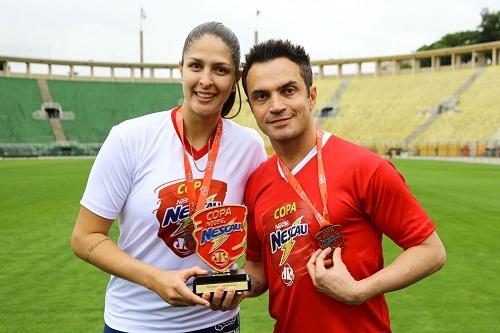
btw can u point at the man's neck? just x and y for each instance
(293, 151)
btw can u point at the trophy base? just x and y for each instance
(235, 279)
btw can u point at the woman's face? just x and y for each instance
(208, 76)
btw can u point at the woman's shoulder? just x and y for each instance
(235, 129)
(149, 123)
(147, 120)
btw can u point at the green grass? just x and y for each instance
(45, 288)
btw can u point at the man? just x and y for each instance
(297, 193)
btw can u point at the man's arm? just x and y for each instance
(231, 299)
(255, 270)
(412, 265)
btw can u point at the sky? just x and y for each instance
(108, 30)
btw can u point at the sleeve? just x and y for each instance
(254, 244)
(394, 210)
(258, 153)
(110, 178)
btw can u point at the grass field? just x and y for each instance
(44, 288)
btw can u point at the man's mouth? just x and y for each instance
(277, 121)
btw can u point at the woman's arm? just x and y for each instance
(90, 242)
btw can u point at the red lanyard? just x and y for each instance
(323, 219)
(195, 205)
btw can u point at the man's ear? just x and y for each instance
(180, 67)
(313, 94)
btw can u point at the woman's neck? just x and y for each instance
(198, 130)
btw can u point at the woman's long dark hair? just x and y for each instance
(219, 30)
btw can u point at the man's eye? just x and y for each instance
(289, 90)
(260, 97)
(194, 65)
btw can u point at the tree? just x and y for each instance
(489, 29)
(454, 39)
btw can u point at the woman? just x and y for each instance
(141, 175)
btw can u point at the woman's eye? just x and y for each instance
(194, 65)
(221, 70)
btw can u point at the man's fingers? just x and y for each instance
(328, 263)
(312, 261)
(207, 295)
(320, 260)
(217, 297)
(229, 297)
(337, 256)
(238, 298)
(311, 265)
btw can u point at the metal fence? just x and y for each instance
(390, 149)
(12, 150)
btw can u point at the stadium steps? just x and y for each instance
(448, 105)
(332, 109)
(336, 97)
(477, 116)
(55, 123)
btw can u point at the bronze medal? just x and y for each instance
(330, 236)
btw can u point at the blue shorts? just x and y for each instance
(229, 326)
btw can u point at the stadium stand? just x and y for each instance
(388, 109)
(100, 105)
(426, 107)
(18, 99)
(477, 115)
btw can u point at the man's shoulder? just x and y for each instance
(265, 173)
(338, 148)
(267, 167)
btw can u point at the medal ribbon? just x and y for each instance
(322, 219)
(196, 205)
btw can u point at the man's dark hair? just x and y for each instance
(278, 48)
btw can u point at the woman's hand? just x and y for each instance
(171, 286)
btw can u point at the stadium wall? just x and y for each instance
(480, 55)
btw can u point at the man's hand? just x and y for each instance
(224, 301)
(334, 281)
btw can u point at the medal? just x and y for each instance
(329, 235)
(197, 205)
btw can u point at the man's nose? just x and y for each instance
(276, 103)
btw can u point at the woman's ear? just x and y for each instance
(236, 80)
(238, 75)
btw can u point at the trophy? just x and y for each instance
(220, 234)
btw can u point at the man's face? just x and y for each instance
(280, 100)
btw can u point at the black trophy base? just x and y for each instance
(235, 279)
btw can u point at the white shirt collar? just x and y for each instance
(307, 158)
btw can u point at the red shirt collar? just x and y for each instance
(197, 154)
